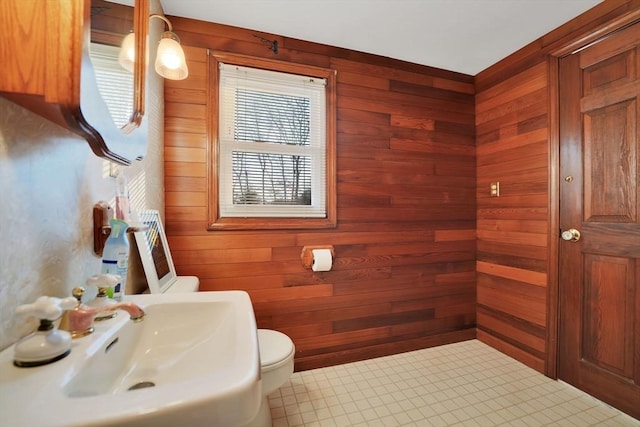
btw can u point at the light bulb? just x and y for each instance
(170, 58)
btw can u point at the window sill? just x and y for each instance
(271, 223)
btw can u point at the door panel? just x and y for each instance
(609, 163)
(599, 291)
(607, 318)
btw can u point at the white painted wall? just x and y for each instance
(49, 181)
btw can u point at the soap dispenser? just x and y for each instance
(47, 344)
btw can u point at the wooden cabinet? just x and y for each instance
(47, 69)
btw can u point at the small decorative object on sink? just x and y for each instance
(48, 344)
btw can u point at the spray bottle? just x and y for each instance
(123, 208)
(115, 257)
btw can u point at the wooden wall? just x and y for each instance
(512, 149)
(404, 272)
(517, 145)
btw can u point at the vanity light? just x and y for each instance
(170, 61)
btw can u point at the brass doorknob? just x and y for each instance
(571, 235)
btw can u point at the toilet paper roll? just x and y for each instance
(322, 260)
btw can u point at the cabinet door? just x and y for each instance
(47, 69)
(34, 64)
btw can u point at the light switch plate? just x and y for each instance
(495, 189)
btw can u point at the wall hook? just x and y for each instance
(273, 44)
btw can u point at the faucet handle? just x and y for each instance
(77, 293)
(47, 308)
(47, 344)
(103, 282)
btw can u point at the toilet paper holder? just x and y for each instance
(307, 254)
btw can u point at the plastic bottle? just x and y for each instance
(123, 207)
(115, 256)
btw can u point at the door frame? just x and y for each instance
(580, 41)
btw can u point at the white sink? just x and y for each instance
(192, 361)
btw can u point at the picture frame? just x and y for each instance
(154, 252)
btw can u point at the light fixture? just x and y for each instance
(170, 61)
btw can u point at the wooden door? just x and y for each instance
(599, 290)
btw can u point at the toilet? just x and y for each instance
(276, 362)
(275, 348)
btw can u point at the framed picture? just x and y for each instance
(154, 252)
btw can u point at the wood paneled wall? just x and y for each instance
(404, 273)
(512, 135)
(516, 127)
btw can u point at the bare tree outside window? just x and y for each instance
(271, 178)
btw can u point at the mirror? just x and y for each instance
(111, 97)
(110, 24)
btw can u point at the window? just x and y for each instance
(275, 152)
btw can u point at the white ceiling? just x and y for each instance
(458, 35)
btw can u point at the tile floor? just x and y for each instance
(461, 384)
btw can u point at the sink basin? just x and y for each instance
(193, 361)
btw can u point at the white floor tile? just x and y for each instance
(467, 384)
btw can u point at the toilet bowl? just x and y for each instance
(276, 360)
